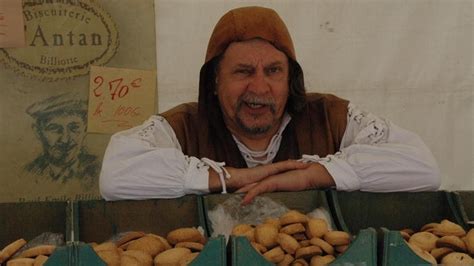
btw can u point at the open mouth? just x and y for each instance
(255, 105)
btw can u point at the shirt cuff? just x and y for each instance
(196, 180)
(342, 173)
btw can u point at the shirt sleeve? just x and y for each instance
(379, 156)
(147, 162)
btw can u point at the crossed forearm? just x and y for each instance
(287, 175)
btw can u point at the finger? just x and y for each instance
(246, 187)
(284, 166)
(255, 191)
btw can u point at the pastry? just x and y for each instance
(337, 238)
(141, 256)
(21, 262)
(291, 229)
(453, 242)
(321, 260)
(266, 234)
(448, 228)
(325, 246)
(187, 234)
(11, 249)
(287, 260)
(38, 250)
(274, 255)
(259, 247)
(292, 217)
(188, 258)
(149, 244)
(439, 253)
(316, 228)
(457, 258)
(129, 236)
(288, 243)
(424, 240)
(171, 256)
(308, 252)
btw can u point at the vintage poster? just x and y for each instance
(48, 154)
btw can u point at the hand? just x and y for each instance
(313, 176)
(241, 177)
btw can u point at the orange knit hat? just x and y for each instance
(247, 23)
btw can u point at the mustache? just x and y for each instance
(250, 98)
(64, 147)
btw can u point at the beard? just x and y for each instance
(255, 128)
(62, 154)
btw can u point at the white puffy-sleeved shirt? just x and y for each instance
(375, 155)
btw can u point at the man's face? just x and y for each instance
(62, 137)
(252, 87)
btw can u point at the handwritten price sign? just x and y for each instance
(119, 98)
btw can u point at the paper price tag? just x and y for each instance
(119, 98)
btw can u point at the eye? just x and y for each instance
(54, 128)
(274, 70)
(74, 127)
(243, 71)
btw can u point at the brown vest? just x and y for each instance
(318, 129)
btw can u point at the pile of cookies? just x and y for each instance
(180, 247)
(36, 256)
(445, 242)
(295, 239)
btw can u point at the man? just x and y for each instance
(256, 130)
(60, 125)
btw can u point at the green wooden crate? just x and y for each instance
(303, 201)
(214, 253)
(394, 211)
(361, 252)
(465, 203)
(397, 210)
(397, 252)
(75, 254)
(98, 221)
(80, 254)
(29, 219)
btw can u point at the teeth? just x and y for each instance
(255, 105)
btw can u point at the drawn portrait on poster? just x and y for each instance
(60, 125)
(48, 154)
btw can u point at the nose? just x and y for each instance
(65, 136)
(258, 83)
